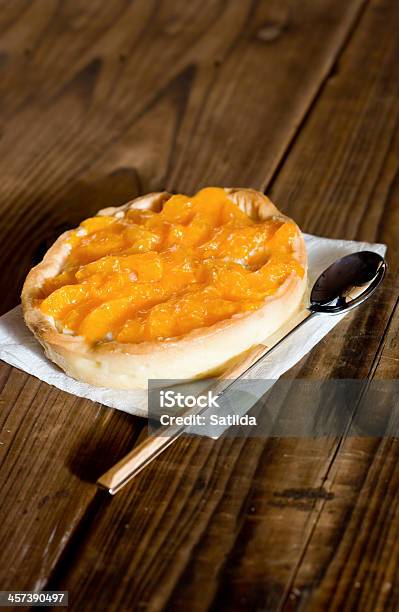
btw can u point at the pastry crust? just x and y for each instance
(130, 366)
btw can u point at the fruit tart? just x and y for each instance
(166, 286)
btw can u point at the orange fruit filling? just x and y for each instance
(150, 276)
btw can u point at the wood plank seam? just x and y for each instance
(72, 550)
(332, 71)
(331, 464)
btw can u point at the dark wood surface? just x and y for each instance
(101, 101)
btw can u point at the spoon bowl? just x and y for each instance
(348, 282)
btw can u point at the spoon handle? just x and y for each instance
(143, 454)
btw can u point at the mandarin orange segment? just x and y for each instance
(104, 265)
(147, 276)
(284, 237)
(147, 267)
(58, 303)
(231, 214)
(75, 317)
(210, 202)
(106, 287)
(141, 240)
(131, 332)
(234, 283)
(92, 250)
(197, 232)
(94, 224)
(104, 319)
(64, 278)
(178, 209)
(144, 267)
(138, 216)
(161, 322)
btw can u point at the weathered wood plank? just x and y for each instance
(345, 561)
(52, 446)
(350, 559)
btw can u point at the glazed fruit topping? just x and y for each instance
(147, 276)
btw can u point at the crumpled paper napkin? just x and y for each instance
(19, 348)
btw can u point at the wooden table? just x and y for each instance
(102, 101)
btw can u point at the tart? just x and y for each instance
(166, 286)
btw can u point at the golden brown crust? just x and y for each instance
(117, 365)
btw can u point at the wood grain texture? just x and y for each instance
(103, 101)
(52, 446)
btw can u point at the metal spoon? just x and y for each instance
(342, 286)
(347, 282)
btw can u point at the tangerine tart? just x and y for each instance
(166, 286)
